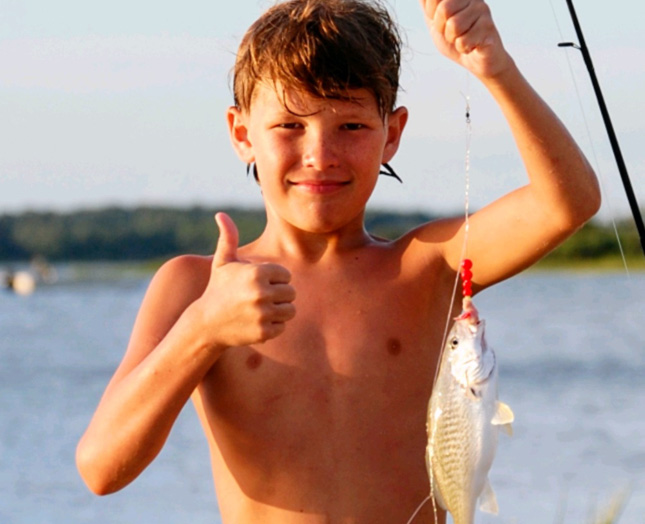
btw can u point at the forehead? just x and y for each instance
(300, 103)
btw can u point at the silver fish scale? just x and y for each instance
(453, 455)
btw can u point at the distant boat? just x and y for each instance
(24, 282)
(20, 282)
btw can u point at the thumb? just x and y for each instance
(226, 250)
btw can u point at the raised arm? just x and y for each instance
(193, 311)
(562, 194)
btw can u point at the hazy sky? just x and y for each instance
(123, 103)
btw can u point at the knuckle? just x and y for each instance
(462, 45)
(451, 28)
(259, 300)
(256, 274)
(252, 295)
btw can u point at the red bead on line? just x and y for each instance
(466, 277)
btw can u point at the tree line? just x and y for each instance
(148, 233)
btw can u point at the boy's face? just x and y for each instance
(318, 160)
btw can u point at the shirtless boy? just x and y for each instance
(309, 353)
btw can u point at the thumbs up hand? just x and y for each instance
(247, 303)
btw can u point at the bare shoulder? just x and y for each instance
(184, 270)
(176, 284)
(427, 241)
(423, 253)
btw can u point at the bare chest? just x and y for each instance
(357, 346)
(334, 408)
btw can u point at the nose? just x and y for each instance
(321, 149)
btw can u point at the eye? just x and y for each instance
(353, 126)
(454, 342)
(289, 125)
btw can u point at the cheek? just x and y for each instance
(374, 148)
(367, 153)
(277, 151)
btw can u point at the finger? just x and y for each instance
(430, 8)
(275, 273)
(449, 14)
(460, 24)
(274, 330)
(477, 37)
(282, 293)
(227, 243)
(283, 312)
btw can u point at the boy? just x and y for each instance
(309, 353)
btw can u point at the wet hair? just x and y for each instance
(325, 48)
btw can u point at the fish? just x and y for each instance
(464, 420)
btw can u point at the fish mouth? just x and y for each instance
(469, 312)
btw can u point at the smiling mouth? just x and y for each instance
(319, 186)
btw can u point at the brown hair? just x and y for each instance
(323, 47)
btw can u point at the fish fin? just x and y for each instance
(488, 500)
(503, 415)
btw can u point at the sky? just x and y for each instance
(123, 103)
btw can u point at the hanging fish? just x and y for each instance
(464, 418)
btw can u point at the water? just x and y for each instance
(572, 366)
(572, 363)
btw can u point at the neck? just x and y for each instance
(286, 240)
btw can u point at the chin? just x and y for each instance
(322, 225)
(318, 227)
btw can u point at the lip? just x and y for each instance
(319, 187)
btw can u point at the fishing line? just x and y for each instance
(464, 247)
(469, 132)
(601, 176)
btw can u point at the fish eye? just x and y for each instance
(454, 342)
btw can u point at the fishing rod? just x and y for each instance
(622, 168)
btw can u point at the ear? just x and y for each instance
(239, 134)
(395, 124)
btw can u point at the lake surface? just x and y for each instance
(571, 349)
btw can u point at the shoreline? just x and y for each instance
(601, 265)
(87, 270)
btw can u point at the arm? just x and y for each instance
(193, 311)
(520, 228)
